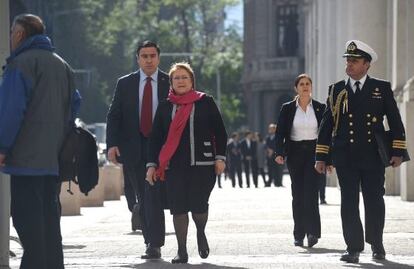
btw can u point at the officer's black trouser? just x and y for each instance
(322, 187)
(305, 182)
(372, 186)
(35, 210)
(151, 209)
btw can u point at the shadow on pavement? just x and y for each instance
(320, 250)
(165, 264)
(74, 246)
(383, 264)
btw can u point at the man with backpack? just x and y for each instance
(35, 109)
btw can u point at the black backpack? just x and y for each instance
(78, 160)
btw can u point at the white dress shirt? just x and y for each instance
(361, 82)
(305, 124)
(154, 84)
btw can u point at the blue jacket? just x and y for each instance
(22, 81)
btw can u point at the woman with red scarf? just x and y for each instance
(187, 148)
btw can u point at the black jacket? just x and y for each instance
(123, 117)
(350, 138)
(208, 136)
(285, 122)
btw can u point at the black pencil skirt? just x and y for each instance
(189, 189)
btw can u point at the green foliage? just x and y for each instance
(103, 37)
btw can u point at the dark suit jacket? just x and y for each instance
(360, 118)
(248, 152)
(123, 117)
(285, 122)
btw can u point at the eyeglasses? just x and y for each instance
(177, 78)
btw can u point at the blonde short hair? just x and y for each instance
(182, 65)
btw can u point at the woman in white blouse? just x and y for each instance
(297, 131)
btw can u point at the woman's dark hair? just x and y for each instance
(32, 24)
(298, 78)
(148, 44)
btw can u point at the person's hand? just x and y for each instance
(396, 161)
(2, 159)
(280, 160)
(320, 167)
(113, 152)
(151, 175)
(248, 158)
(329, 169)
(219, 166)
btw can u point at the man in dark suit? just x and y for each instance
(234, 160)
(351, 124)
(249, 154)
(129, 124)
(275, 169)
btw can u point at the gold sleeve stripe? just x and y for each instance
(322, 151)
(322, 146)
(399, 147)
(402, 141)
(399, 143)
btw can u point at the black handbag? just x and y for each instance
(384, 142)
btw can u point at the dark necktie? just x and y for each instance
(357, 88)
(146, 109)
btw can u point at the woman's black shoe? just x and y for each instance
(180, 258)
(203, 249)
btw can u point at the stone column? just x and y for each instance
(4, 180)
(407, 169)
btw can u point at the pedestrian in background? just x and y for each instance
(248, 149)
(35, 99)
(349, 131)
(234, 160)
(275, 170)
(296, 134)
(187, 150)
(261, 157)
(129, 124)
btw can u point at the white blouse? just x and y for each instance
(305, 124)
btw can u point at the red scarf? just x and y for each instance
(177, 126)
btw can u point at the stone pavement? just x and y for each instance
(247, 228)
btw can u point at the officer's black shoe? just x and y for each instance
(180, 258)
(152, 253)
(312, 240)
(298, 242)
(351, 257)
(203, 248)
(378, 252)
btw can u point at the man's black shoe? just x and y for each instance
(378, 252)
(152, 253)
(298, 242)
(312, 240)
(351, 257)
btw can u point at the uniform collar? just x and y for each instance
(361, 81)
(310, 103)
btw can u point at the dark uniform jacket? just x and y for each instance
(285, 123)
(234, 153)
(123, 116)
(207, 134)
(350, 122)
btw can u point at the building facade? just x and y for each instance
(273, 57)
(323, 27)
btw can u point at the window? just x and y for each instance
(287, 38)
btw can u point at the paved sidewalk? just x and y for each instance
(247, 228)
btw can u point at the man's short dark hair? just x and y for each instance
(32, 24)
(148, 44)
